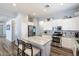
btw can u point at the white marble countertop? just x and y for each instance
(41, 40)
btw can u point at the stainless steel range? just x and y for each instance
(56, 39)
(56, 36)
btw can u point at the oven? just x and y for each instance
(56, 39)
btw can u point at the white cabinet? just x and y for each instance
(75, 46)
(71, 24)
(67, 43)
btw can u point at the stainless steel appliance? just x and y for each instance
(56, 36)
(31, 30)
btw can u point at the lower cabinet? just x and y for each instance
(67, 43)
(70, 43)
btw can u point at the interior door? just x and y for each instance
(1, 30)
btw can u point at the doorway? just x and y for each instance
(1, 30)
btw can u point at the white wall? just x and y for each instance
(1, 29)
(4, 29)
(19, 29)
(14, 31)
(38, 28)
(24, 26)
(9, 32)
(18, 25)
(48, 25)
(57, 22)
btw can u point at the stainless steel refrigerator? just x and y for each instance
(31, 30)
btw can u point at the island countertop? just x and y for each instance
(41, 40)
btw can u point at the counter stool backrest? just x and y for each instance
(28, 46)
(19, 41)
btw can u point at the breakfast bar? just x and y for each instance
(42, 42)
(76, 46)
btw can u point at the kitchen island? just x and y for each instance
(42, 42)
(71, 43)
(76, 46)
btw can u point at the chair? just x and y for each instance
(30, 50)
(19, 47)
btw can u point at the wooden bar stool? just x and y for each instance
(30, 50)
(19, 47)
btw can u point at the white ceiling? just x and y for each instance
(38, 9)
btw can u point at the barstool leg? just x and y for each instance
(40, 52)
(23, 54)
(18, 52)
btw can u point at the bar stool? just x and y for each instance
(30, 50)
(19, 47)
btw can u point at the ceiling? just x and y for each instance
(7, 10)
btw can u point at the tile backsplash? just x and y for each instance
(66, 33)
(70, 33)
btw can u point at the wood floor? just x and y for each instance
(3, 51)
(55, 51)
(5, 48)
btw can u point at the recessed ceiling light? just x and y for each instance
(14, 4)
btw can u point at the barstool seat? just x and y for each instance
(20, 46)
(35, 51)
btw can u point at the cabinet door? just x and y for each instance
(67, 43)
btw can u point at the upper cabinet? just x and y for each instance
(66, 24)
(71, 24)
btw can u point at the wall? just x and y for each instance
(1, 29)
(15, 29)
(62, 14)
(24, 26)
(48, 25)
(4, 29)
(19, 27)
(9, 32)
